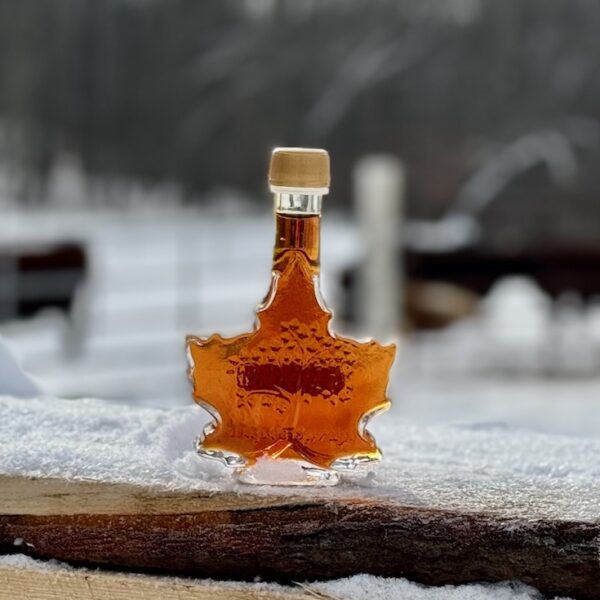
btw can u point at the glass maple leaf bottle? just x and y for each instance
(290, 400)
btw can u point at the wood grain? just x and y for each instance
(281, 537)
(34, 584)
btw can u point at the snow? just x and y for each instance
(380, 588)
(13, 381)
(484, 468)
(518, 330)
(357, 587)
(22, 561)
(521, 360)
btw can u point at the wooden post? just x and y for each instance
(379, 183)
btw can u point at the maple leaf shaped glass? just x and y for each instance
(290, 391)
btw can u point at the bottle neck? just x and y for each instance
(297, 227)
(295, 203)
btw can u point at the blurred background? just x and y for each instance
(464, 215)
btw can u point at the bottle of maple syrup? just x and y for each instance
(290, 400)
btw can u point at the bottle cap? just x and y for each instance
(299, 168)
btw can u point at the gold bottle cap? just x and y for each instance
(299, 168)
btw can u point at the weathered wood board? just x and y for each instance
(58, 584)
(295, 537)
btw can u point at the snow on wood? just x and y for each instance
(121, 486)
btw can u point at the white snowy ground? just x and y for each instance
(522, 361)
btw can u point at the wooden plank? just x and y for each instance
(45, 497)
(295, 537)
(58, 584)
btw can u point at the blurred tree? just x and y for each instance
(198, 92)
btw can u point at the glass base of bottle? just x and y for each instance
(285, 471)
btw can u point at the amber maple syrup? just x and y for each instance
(291, 391)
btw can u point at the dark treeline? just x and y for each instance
(199, 91)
